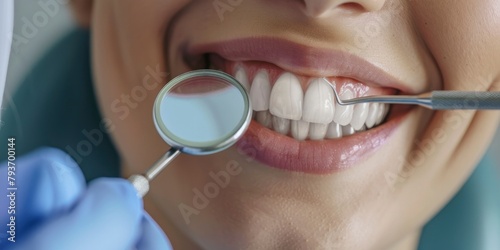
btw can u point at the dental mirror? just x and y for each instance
(197, 113)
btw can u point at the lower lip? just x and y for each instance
(315, 157)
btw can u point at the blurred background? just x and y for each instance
(30, 44)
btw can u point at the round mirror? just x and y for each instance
(202, 112)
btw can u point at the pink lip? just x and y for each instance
(300, 59)
(315, 157)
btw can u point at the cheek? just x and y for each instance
(129, 70)
(463, 37)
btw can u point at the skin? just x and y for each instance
(380, 204)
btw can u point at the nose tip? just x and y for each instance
(319, 8)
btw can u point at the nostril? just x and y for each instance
(354, 7)
(319, 8)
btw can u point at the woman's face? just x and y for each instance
(307, 174)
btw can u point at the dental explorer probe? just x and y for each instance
(436, 100)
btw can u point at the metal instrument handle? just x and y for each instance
(141, 182)
(465, 100)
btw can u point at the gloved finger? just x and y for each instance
(45, 183)
(107, 217)
(152, 237)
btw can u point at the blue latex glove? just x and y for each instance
(55, 209)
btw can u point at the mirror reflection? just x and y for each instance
(202, 111)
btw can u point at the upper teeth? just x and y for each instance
(286, 97)
(260, 91)
(318, 103)
(242, 77)
(315, 115)
(344, 114)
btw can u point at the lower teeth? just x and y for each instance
(301, 130)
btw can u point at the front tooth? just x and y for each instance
(372, 115)
(300, 130)
(265, 118)
(343, 114)
(242, 77)
(286, 97)
(317, 131)
(348, 130)
(384, 108)
(359, 116)
(334, 131)
(281, 125)
(260, 91)
(318, 103)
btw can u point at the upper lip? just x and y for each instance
(299, 59)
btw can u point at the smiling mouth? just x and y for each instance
(297, 124)
(301, 107)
